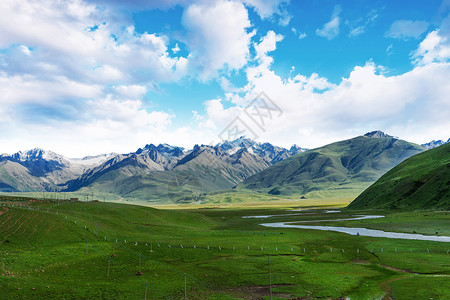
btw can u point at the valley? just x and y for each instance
(224, 149)
(92, 249)
(199, 225)
(238, 171)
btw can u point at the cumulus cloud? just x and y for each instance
(407, 29)
(267, 44)
(434, 48)
(412, 105)
(330, 30)
(117, 121)
(72, 72)
(217, 36)
(81, 42)
(20, 89)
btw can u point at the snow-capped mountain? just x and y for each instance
(233, 161)
(270, 153)
(91, 160)
(42, 170)
(434, 144)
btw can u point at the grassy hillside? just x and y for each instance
(340, 169)
(420, 182)
(65, 250)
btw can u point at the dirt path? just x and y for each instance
(7, 219)
(28, 225)
(399, 270)
(35, 227)
(386, 286)
(4, 210)
(14, 224)
(30, 218)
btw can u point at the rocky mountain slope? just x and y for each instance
(434, 144)
(215, 167)
(40, 170)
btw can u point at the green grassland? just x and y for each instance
(63, 251)
(225, 199)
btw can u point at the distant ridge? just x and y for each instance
(341, 169)
(434, 144)
(145, 173)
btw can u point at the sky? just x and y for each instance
(85, 77)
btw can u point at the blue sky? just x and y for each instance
(83, 77)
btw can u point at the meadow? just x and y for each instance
(72, 250)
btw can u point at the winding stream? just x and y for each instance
(357, 230)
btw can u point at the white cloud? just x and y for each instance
(86, 43)
(217, 36)
(407, 29)
(128, 114)
(176, 49)
(115, 122)
(356, 31)
(389, 49)
(413, 105)
(266, 8)
(267, 44)
(129, 91)
(301, 35)
(434, 48)
(73, 73)
(25, 50)
(330, 30)
(285, 18)
(20, 89)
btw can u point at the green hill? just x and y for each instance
(420, 182)
(341, 169)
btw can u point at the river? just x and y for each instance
(356, 230)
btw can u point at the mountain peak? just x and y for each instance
(378, 134)
(434, 144)
(36, 153)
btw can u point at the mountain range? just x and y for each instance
(167, 174)
(144, 172)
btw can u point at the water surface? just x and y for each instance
(355, 230)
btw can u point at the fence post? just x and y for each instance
(270, 278)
